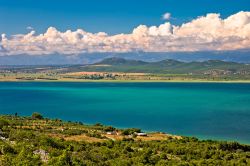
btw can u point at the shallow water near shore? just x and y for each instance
(218, 111)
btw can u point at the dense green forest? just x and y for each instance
(40, 141)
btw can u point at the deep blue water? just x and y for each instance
(205, 110)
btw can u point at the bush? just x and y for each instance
(3, 123)
(96, 135)
(109, 128)
(74, 132)
(36, 115)
(50, 142)
(98, 124)
(5, 148)
(131, 131)
(232, 146)
(20, 135)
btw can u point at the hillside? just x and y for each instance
(126, 69)
(40, 141)
(168, 66)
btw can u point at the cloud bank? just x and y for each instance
(204, 33)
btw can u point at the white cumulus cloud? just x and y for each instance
(209, 32)
(166, 16)
(29, 28)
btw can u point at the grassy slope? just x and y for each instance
(165, 66)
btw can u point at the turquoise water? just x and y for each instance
(205, 110)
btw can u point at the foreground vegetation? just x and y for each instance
(38, 141)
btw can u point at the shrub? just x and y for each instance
(98, 124)
(21, 135)
(109, 128)
(5, 148)
(131, 131)
(3, 123)
(36, 115)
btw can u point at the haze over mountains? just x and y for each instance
(241, 56)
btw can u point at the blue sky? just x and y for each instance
(111, 16)
(77, 27)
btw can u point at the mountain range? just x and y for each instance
(240, 56)
(168, 66)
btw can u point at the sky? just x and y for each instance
(78, 26)
(111, 16)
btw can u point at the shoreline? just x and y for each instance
(120, 128)
(127, 81)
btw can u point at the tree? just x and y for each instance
(131, 131)
(109, 128)
(36, 115)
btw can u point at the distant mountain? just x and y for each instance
(167, 66)
(170, 66)
(120, 61)
(241, 56)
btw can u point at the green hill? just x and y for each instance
(166, 66)
(127, 69)
(120, 61)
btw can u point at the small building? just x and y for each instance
(111, 133)
(142, 134)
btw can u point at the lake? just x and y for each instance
(204, 110)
